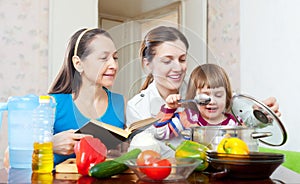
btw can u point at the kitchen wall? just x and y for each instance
(270, 57)
(223, 37)
(24, 47)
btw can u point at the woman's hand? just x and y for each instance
(172, 101)
(63, 142)
(271, 102)
(6, 159)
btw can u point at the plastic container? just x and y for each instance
(20, 137)
(43, 118)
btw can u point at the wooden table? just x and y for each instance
(281, 175)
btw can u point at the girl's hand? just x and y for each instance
(172, 101)
(63, 142)
(273, 105)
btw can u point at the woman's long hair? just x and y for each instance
(69, 80)
(212, 76)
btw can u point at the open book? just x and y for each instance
(111, 135)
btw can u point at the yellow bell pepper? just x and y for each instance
(233, 145)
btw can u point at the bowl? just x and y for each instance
(180, 170)
(251, 156)
(255, 165)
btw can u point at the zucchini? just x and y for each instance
(112, 167)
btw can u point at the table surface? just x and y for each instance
(280, 175)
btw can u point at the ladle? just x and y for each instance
(201, 99)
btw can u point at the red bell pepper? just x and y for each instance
(89, 151)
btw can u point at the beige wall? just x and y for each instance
(223, 37)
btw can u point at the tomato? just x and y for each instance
(153, 159)
(157, 171)
(147, 157)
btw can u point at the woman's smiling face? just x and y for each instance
(169, 65)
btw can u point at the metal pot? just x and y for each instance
(212, 135)
(259, 124)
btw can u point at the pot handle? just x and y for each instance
(258, 135)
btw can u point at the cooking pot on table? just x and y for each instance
(259, 124)
(255, 165)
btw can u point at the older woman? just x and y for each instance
(81, 92)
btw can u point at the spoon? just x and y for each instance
(201, 99)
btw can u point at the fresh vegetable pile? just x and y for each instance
(112, 167)
(91, 159)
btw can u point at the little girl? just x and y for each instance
(209, 79)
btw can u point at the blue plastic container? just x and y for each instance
(20, 131)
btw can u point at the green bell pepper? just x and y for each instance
(192, 149)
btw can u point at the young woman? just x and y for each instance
(163, 53)
(81, 89)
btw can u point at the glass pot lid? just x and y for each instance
(254, 114)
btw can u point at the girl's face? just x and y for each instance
(169, 65)
(213, 112)
(101, 66)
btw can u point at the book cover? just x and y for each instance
(112, 136)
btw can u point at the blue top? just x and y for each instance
(68, 116)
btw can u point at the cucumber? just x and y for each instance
(112, 167)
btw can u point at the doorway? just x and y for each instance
(128, 21)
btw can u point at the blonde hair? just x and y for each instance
(212, 76)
